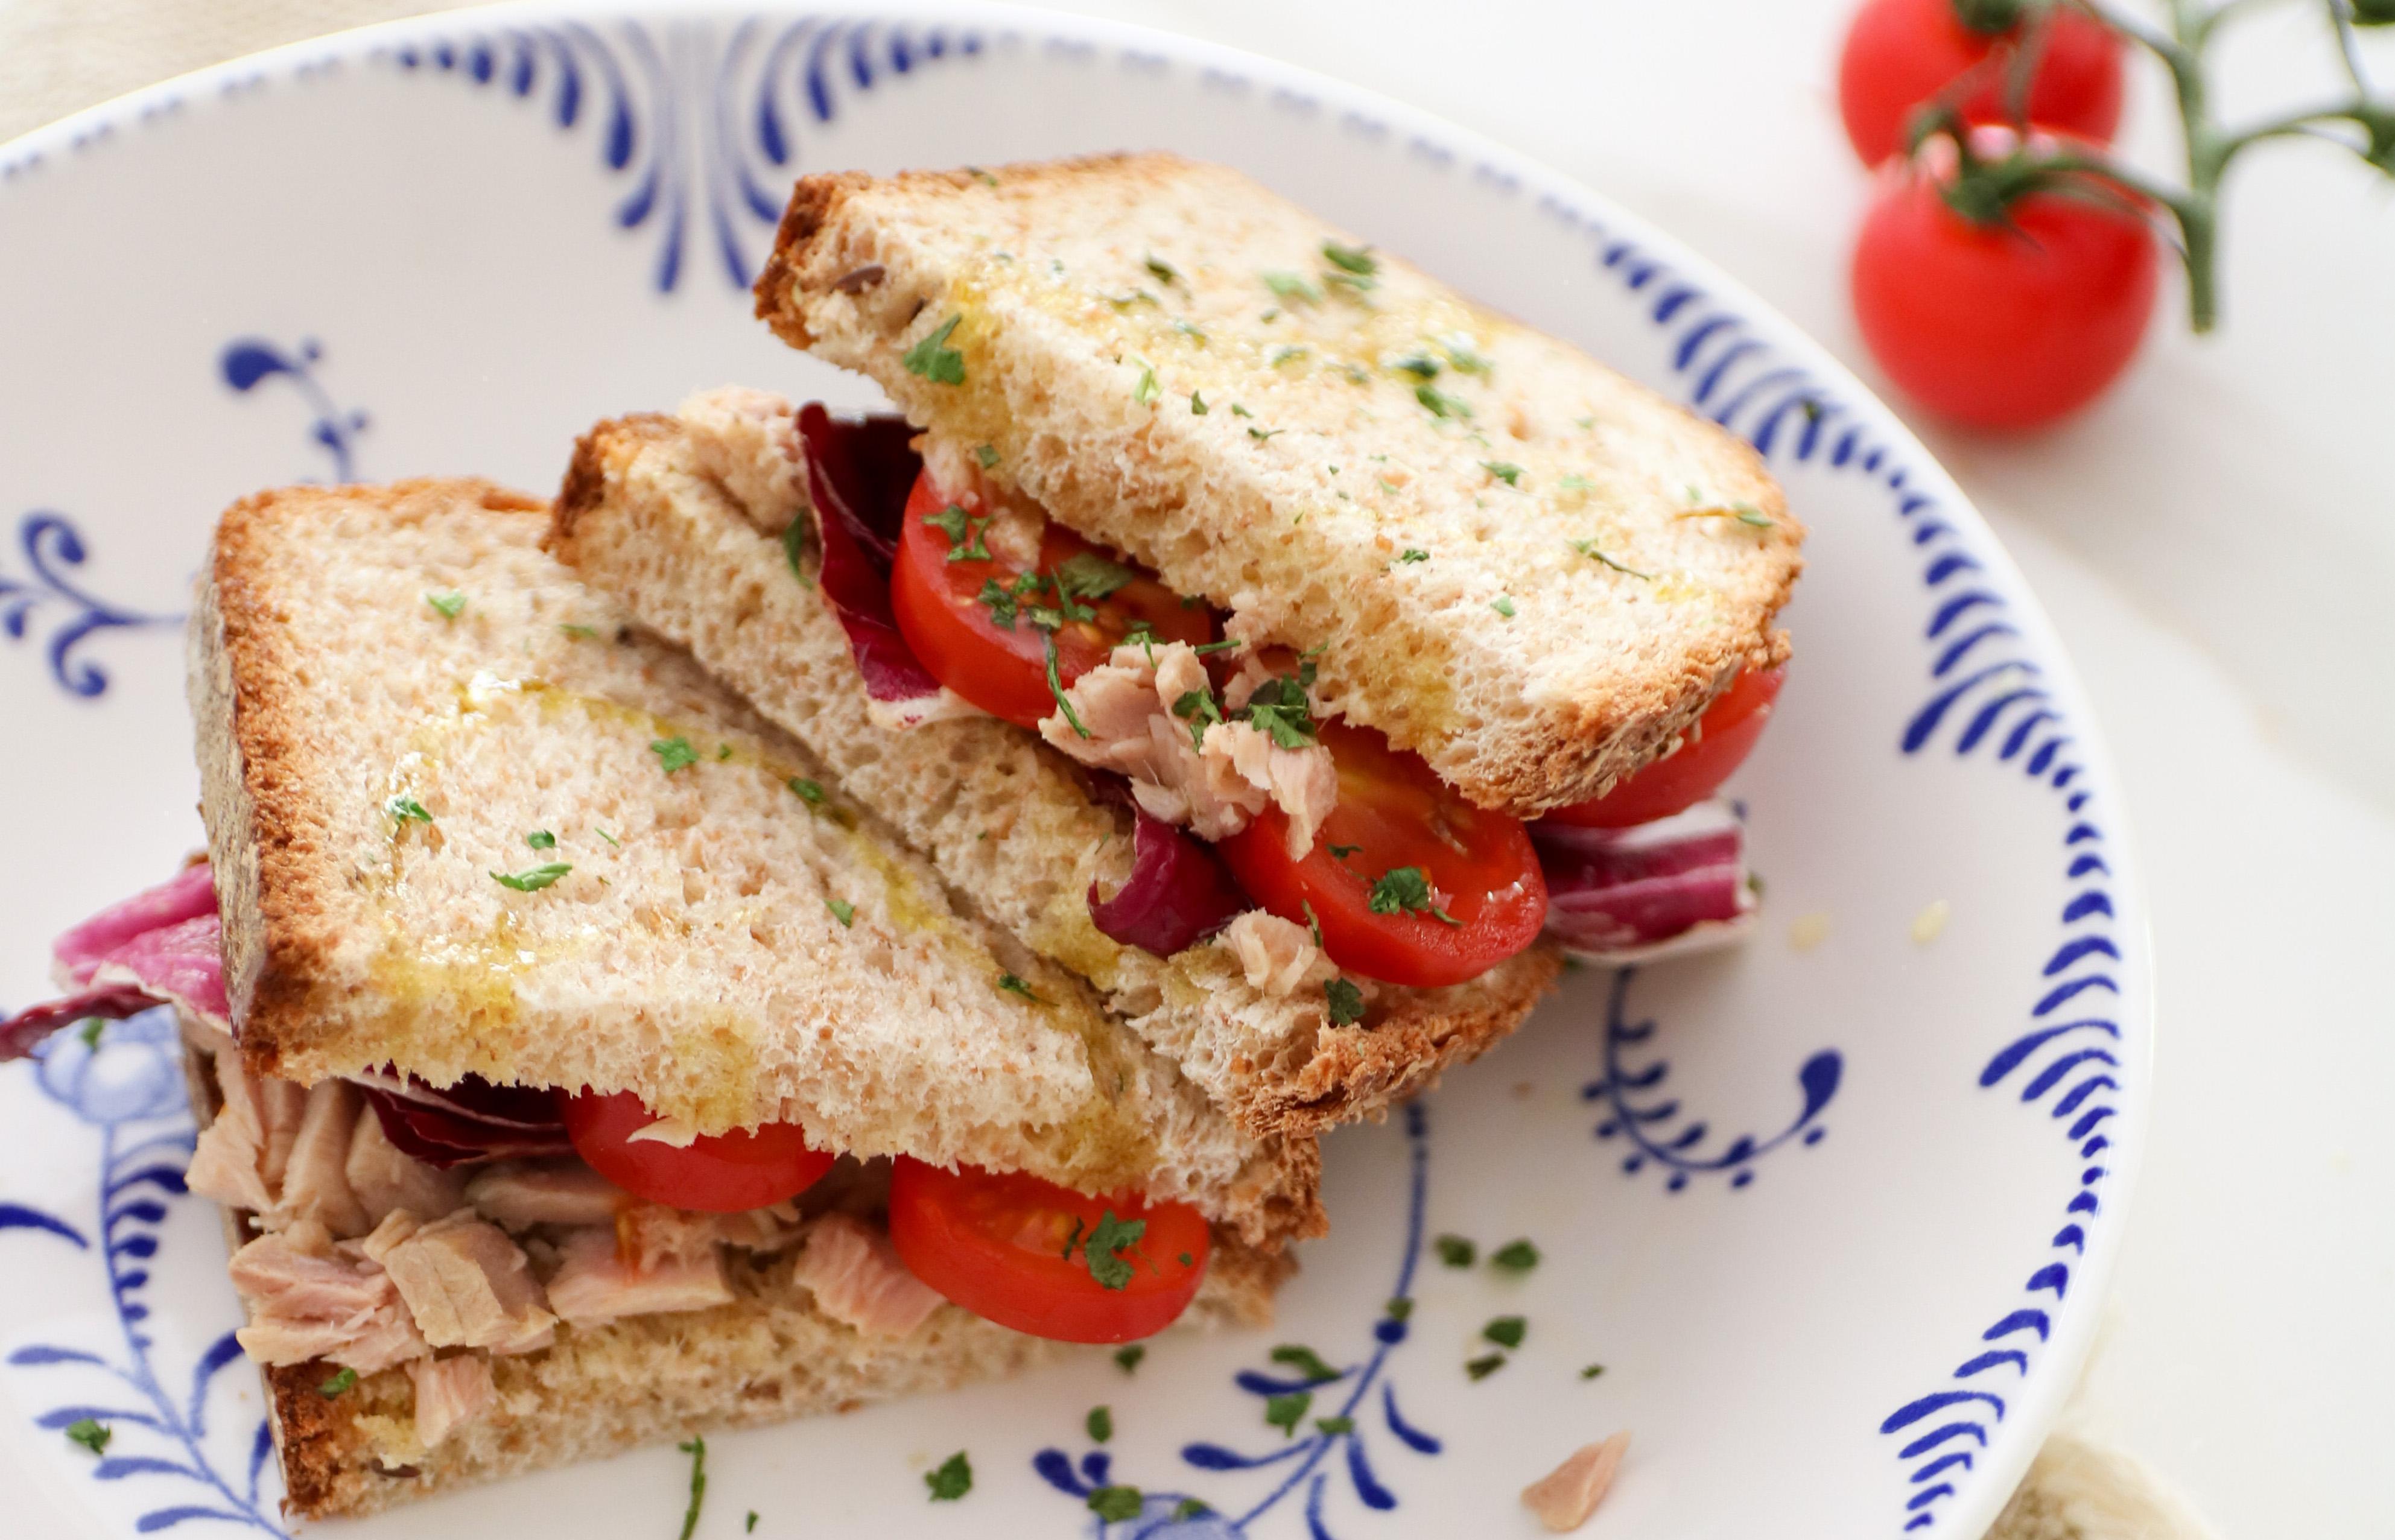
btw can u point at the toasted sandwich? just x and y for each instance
(1250, 624)
(581, 1066)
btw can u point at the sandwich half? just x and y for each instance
(580, 1067)
(1253, 626)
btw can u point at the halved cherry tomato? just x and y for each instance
(717, 1173)
(1017, 1250)
(1394, 813)
(1004, 669)
(1726, 734)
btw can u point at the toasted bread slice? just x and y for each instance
(399, 697)
(1515, 560)
(769, 1356)
(675, 516)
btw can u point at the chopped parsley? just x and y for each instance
(451, 605)
(1398, 1308)
(1012, 985)
(809, 792)
(724, 751)
(1266, 435)
(1115, 1504)
(963, 531)
(697, 1450)
(1515, 1257)
(1103, 1249)
(541, 839)
(1281, 711)
(1313, 921)
(1335, 1424)
(1460, 353)
(1101, 1424)
(1145, 389)
(1589, 548)
(92, 1435)
(1188, 1508)
(1592, 1371)
(987, 180)
(1285, 1412)
(933, 359)
(339, 1385)
(407, 809)
(1290, 286)
(1504, 470)
(605, 835)
(1502, 605)
(1407, 891)
(1440, 403)
(1086, 574)
(794, 549)
(1306, 1361)
(952, 1480)
(842, 910)
(1455, 1251)
(674, 754)
(1421, 366)
(535, 879)
(1056, 687)
(1481, 1368)
(987, 454)
(1412, 553)
(1198, 708)
(1000, 600)
(750, 1528)
(1345, 1002)
(1197, 407)
(1745, 513)
(92, 1027)
(1506, 1331)
(1576, 482)
(1357, 260)
(1127, 1359)
(581, 633)
(1196, 334)
(1341, 853)
(1289, 354)
(1165, 271)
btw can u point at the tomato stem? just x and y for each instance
(1984, 190)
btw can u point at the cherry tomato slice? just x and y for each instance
(1727, 733)
(1015, 1250)
(717, 1173)
(1393, 813)
(1004, 670)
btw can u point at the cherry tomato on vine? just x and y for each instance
(2007, 323)
(1900, 53)
(714, 1174)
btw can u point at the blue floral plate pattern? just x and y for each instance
(1825, 1221)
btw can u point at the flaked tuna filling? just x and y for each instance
(363, 1259)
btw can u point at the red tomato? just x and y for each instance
(1015, 1249)
(1004, 670)
(2008, 324)
(718, 1173)
(1393, 813)
(1725, 735)
(1900, 53)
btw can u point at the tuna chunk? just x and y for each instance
(315, 1180)
(565, 1191)
(450, 1392)
(1276, 955)
(227, 1164)
(280, 1106)
(469, 1286)
(306, 1301)
(595, 1284)
(1564, 1497)
(856, 1277)
(386, 1178)
(650, 1234)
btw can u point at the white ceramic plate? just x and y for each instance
(1835, 1219)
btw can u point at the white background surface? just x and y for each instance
(2216, 542)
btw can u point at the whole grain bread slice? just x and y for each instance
(677, 517)
(1523, 565)
(465, 819)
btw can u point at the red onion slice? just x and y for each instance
(1626, 895)
(858, 477)
(1179, 892)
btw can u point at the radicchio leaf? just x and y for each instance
(470, 1121)
(1622, 895)
(858, 477)
(162, 946)
(1179, 892)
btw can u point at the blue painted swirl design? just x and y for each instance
(49, 544)
(128, 1084)
(248, 362)
(1307, 1468)
(700, 125)
(1660, 1132)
